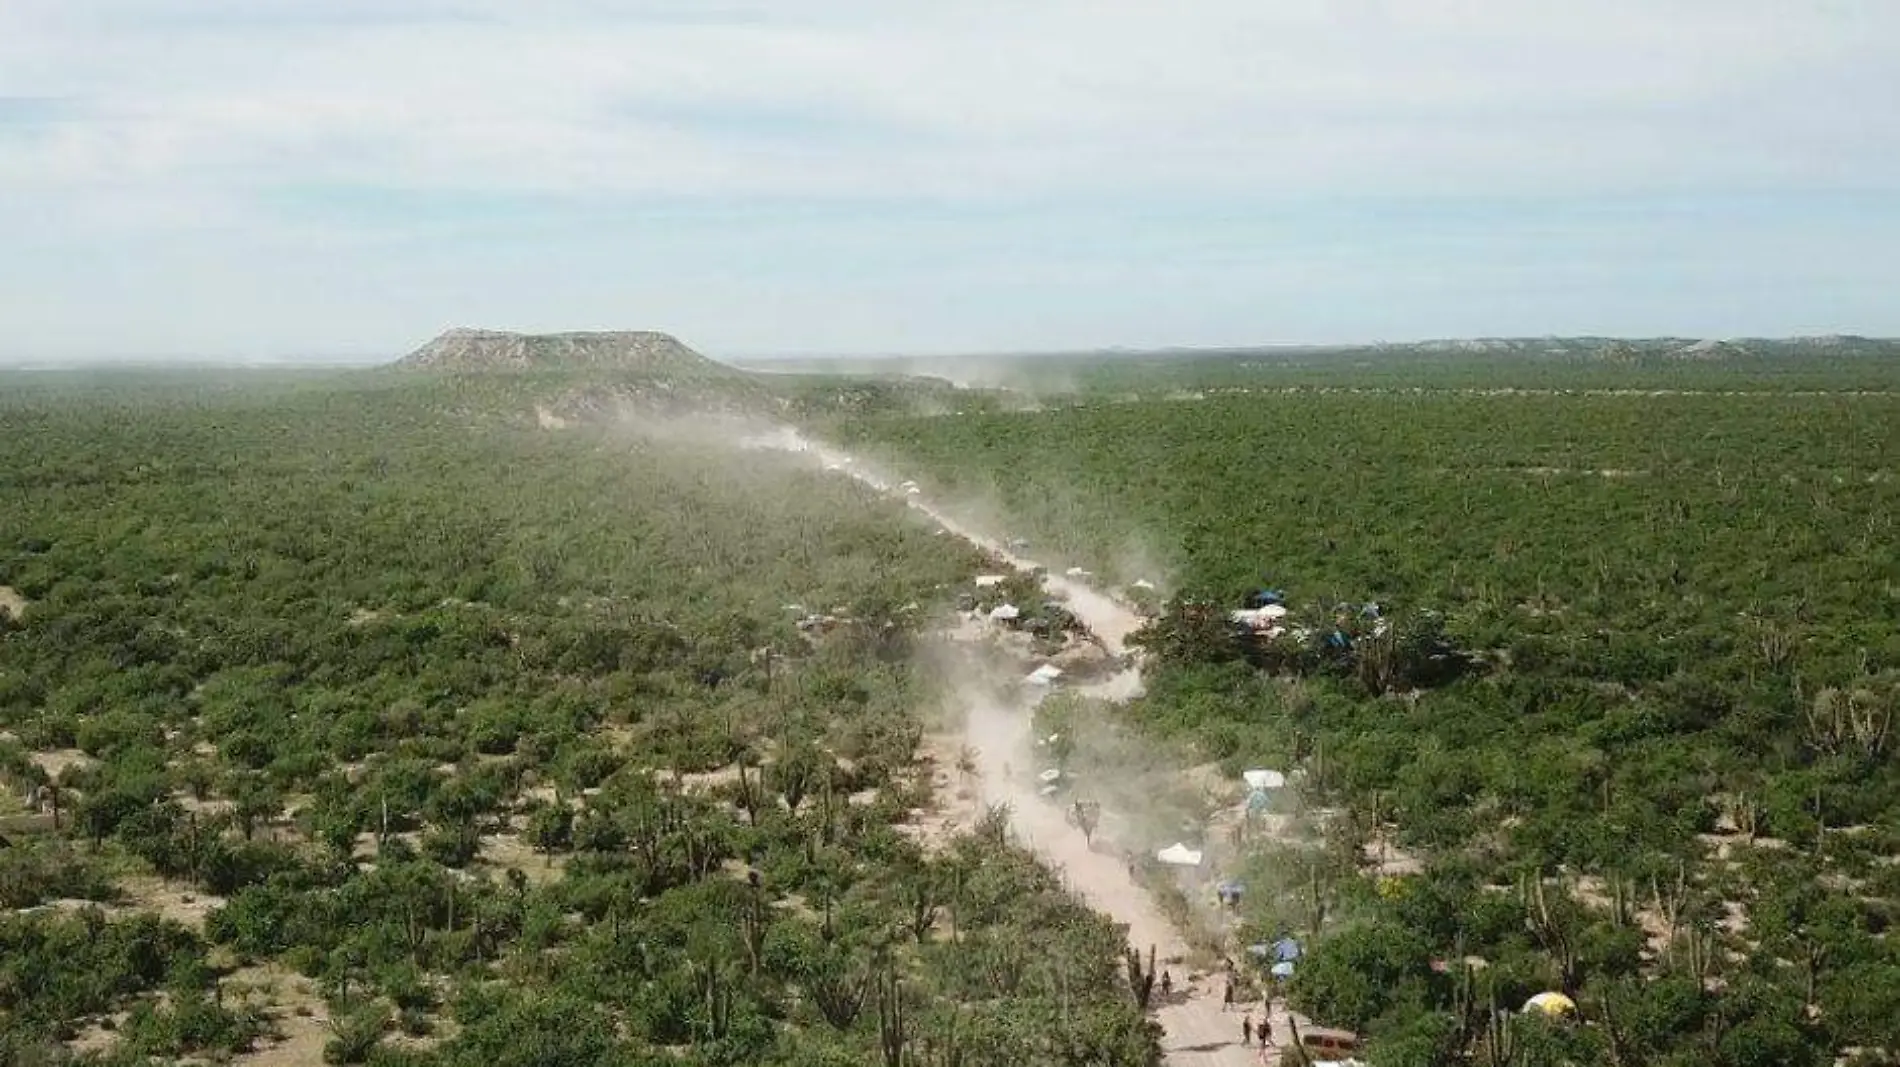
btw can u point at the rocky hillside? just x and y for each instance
(626, 352)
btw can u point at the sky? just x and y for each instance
(346, 178)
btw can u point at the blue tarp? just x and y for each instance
(1262, 597)
(1285, 951)
(1258, 800)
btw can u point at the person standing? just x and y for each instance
(1227, 998)
(1246, 1030)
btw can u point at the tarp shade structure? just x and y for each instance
(985, 581)
(1283, 969)
(1263, 779)
(1179, 855)
(1006, 612)
(1286, 949)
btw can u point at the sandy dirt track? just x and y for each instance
(1199, 1031)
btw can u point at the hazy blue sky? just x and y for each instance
(266, 177)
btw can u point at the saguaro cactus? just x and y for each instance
(1141, 981)
(891, 1019)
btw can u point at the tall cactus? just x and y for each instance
(751, 791)
(753, 923)
(891, 1019)
(1141, 982)
(946, 1049)
(1551, 932)
(718, 997)
(1500, 1048)
(839, 993)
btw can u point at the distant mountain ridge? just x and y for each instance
(643, 352)
(1634, 348)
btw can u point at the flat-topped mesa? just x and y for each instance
(639, 351)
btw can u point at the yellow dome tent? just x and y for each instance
(1553, 1004)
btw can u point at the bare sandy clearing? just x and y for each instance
(100, 1035)
(955, 796)
(297, 1015)
(12, 603)
(55, 761)
(505, 852)
(171, 900)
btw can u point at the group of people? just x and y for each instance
(1249, 1032)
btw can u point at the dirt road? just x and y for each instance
(1199, 1030)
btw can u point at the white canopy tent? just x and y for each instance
(1179, 855)
(1263, 779)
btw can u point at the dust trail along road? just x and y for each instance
(1198, 1032)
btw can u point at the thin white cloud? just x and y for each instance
(966, 98)
(186, 115)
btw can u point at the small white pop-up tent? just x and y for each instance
(985, 581)
(1179, 855)
(1005, 613)
(1044, 675)
(1263, 779)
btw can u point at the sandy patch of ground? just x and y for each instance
(208, 807)
(55, 761)
(955, 793)
(368, 844)
(700, 781)
(1388, 860)
(501, 852)
(100, 1035)
(176, 901)
(12, 604)
(297, 1014)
